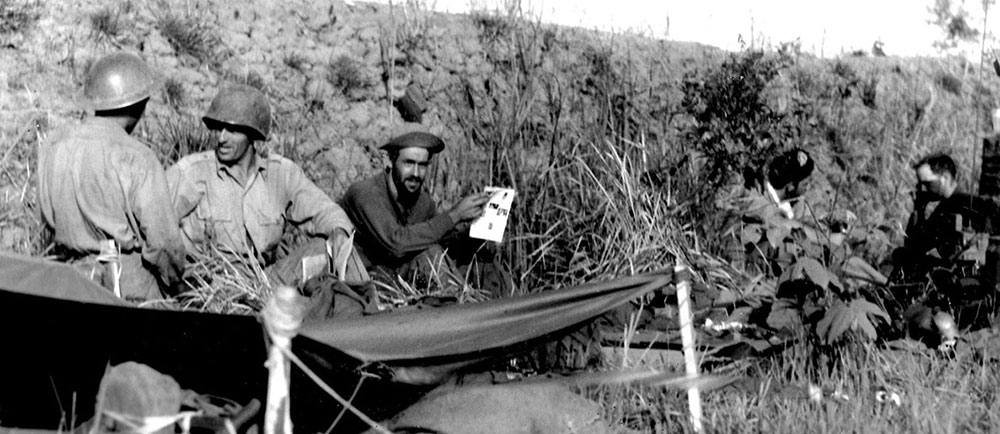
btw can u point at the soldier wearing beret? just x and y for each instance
(768, 217)
(399, 228)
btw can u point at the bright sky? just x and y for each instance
(827, 27)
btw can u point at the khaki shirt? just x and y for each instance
(95, 182)
(215, 207)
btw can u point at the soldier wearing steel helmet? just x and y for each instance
(99, 188)
(238, 199)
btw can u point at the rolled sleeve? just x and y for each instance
(158, 223)
(311, 207)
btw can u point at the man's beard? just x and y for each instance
(405, 195)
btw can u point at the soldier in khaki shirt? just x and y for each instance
(239, 200)
(98, 186)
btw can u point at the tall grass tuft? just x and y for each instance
(21, 226)
(175, 135)
(106, 24)
(190, 34)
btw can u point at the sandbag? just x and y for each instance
(510, 408)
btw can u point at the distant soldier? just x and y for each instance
(946, 236)
(100, 190)
(400, 231)
(237, 199)
(767, 213)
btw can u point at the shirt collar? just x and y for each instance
(259, 166)
(106, 123)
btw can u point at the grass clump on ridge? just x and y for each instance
(106, 22)
(16, 16)
(190, 35)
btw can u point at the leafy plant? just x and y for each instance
(856, 315)
(732, 125)
(821, 282)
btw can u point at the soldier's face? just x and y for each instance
(932, 185)
(231, 145)
(409, 169)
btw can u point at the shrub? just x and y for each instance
(733, 126)
(345, 74)
(949, 83)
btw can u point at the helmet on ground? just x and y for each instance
(119, 80)
(243, 106)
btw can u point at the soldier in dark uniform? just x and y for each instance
(946, 240)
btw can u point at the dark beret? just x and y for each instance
(792, 166)
(416, 139)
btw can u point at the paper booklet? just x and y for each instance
(491, 225)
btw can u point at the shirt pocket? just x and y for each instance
(214, 223)
(270, 225)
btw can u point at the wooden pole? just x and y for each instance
(682, 279)
(282, 317)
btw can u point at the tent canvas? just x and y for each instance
(67, 330)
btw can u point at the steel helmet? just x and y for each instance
(243, 106)
(119, 80)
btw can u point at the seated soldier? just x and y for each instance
(400, 230)
(942, 242)
(768, 215)
(100, 190)
(239, 199)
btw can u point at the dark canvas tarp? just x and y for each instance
(61, 331)
(51, 279)
(468, 329)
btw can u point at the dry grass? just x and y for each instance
(221, 283)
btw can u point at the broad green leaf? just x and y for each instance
(856, 268)
(823, 326)
(751, 233)
(843, 321)
(814, 271)
(741, 314)
(869, 308)
(759, 344)
(862, 322)
(726, 297)
(783, 315)
(776, 235)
